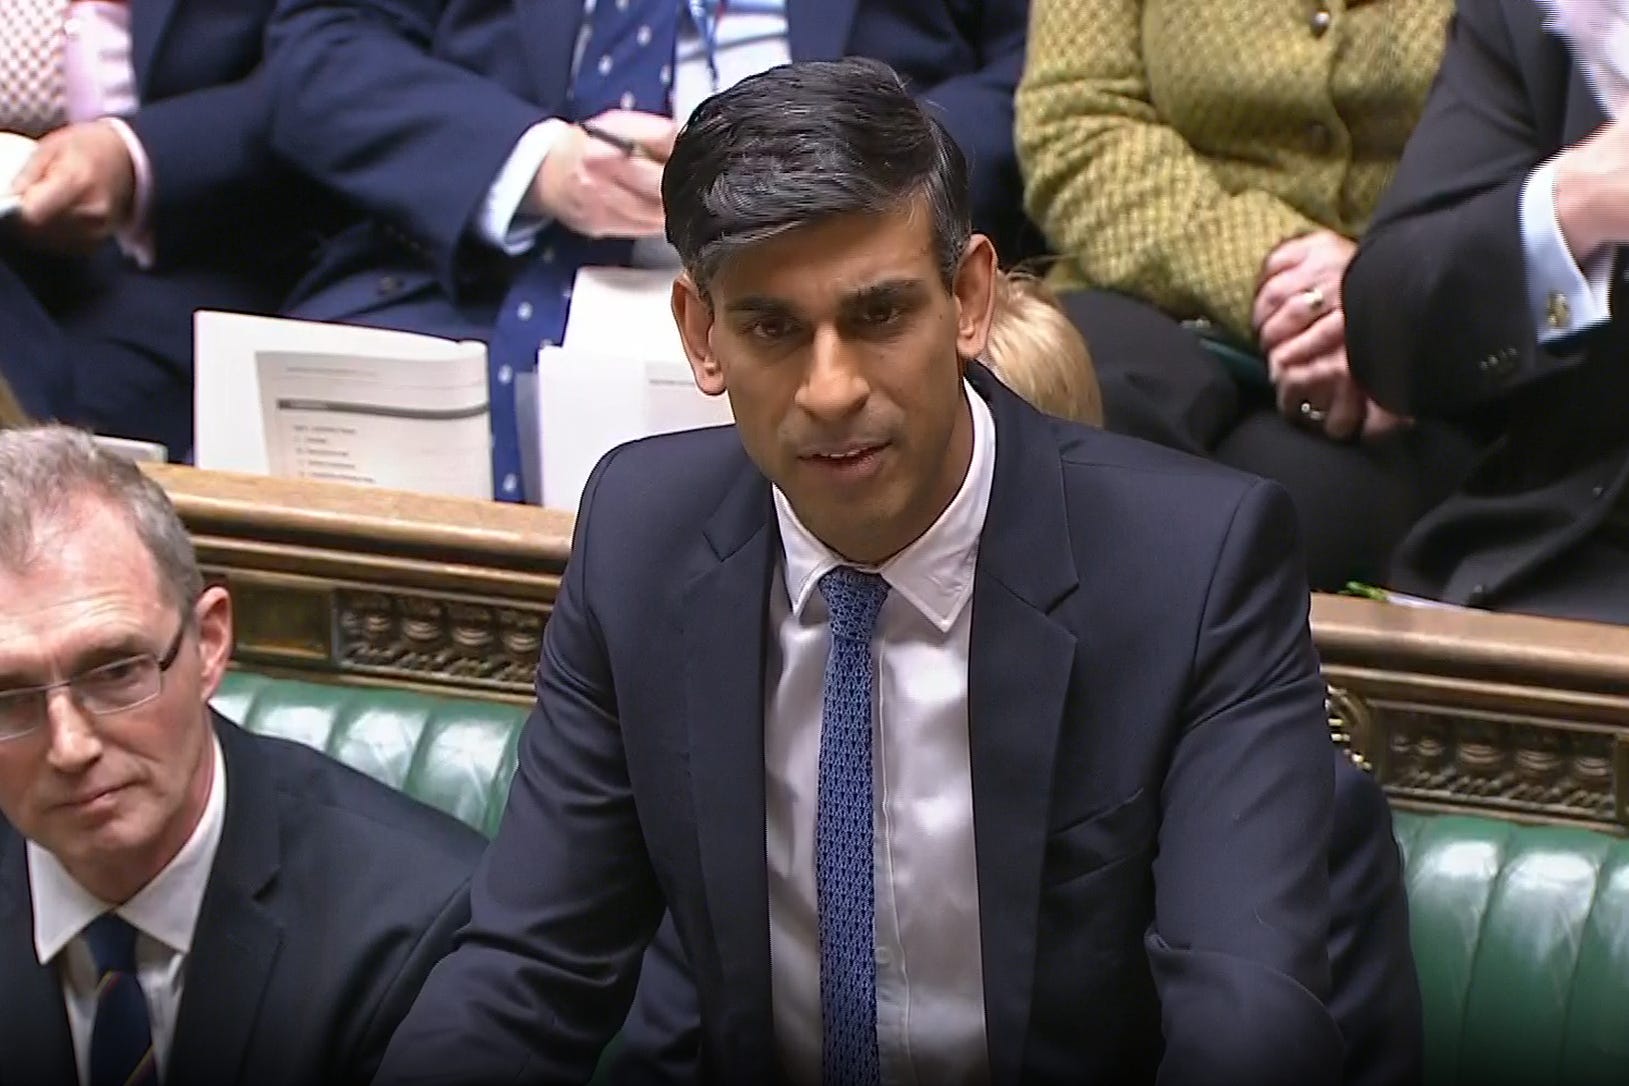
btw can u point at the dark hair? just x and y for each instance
(804, 142)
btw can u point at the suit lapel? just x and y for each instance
(237, 939)
(725, 610)
(1584, 112)
(1019, 670)
(549, 29)
(35, 1045)
(149, 19)
(818, 29)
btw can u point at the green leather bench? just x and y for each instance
(1521, 933)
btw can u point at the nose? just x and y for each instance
(834, 384)
(74, 742)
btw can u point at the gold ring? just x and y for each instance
(1314, 298)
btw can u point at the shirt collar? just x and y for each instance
(166, 909)
(935, 573)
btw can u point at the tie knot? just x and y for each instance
(112, 942)
(854, 599)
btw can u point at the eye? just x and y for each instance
(769, 329)
(881, 313)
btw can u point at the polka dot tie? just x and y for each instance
(844, 856)
(121, 1050)
(624, 61)
(33, 91)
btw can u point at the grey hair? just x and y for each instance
(48, 473)
(805, 142)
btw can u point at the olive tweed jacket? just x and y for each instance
(1169, 145)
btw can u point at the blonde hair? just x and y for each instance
(11, 412)
(1036, 351)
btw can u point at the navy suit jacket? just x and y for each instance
(1150, 763)
(1438, 321)
(330, 898)
(1375, 996)
(410, 108)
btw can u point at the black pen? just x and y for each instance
(626, 146)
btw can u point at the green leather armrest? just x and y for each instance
(457, 754)
(1521, 937)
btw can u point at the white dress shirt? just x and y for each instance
(1552, 273)
(99, 80)
(164, 914)
(930, 983)
(751, 39)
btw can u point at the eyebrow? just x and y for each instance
(898, 291)
(120, 647)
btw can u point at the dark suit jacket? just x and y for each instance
(330, 898)
(1375, 995)
(1438, 322)
(410, 107)
(233, 229)
(1151, 777)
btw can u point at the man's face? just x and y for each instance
(112, 796)
(842, 353)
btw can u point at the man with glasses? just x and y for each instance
(180, 901)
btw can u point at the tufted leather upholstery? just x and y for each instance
(457, 754)
(1521, 936)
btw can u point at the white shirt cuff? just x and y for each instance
(1564, 298)
(135, 238)
(501, 223)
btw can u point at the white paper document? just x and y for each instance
(307, 400)
(590, 404)
(1597, 32)
(626, 312)
(15, 151)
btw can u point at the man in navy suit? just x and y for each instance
(180, 901)
(153, 194)
(963, 744)
(1492, 290)
(460, 129)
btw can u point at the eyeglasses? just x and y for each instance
(115, 687)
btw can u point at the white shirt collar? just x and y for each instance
(166, 909)
(935, 573)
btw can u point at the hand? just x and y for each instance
(1311, 369)
(598, 190)
(1592, 191)
(77, 189)
(1378, 422)
(1301, 283)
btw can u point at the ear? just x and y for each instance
(694, 316)
(974, 289)
(214, 614)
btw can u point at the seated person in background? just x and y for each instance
(458, 126)
(1118, 700)
(151, 193)
(180, 901)
(1037, 352)
(1202, 167)
(1491, 288)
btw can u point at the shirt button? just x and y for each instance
(1320, 22)
(70, 26)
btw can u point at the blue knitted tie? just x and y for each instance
(121, 1050)
(626, 62)
(844, 857)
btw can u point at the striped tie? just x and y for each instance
(121, 1052)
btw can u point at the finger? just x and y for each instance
(50, 197)
(1276, 293)
(639, 176)
(1312, 383)
(1328, 333)
(1346, 410)
(1295, 316)
(37, 166)
(1287, 255)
